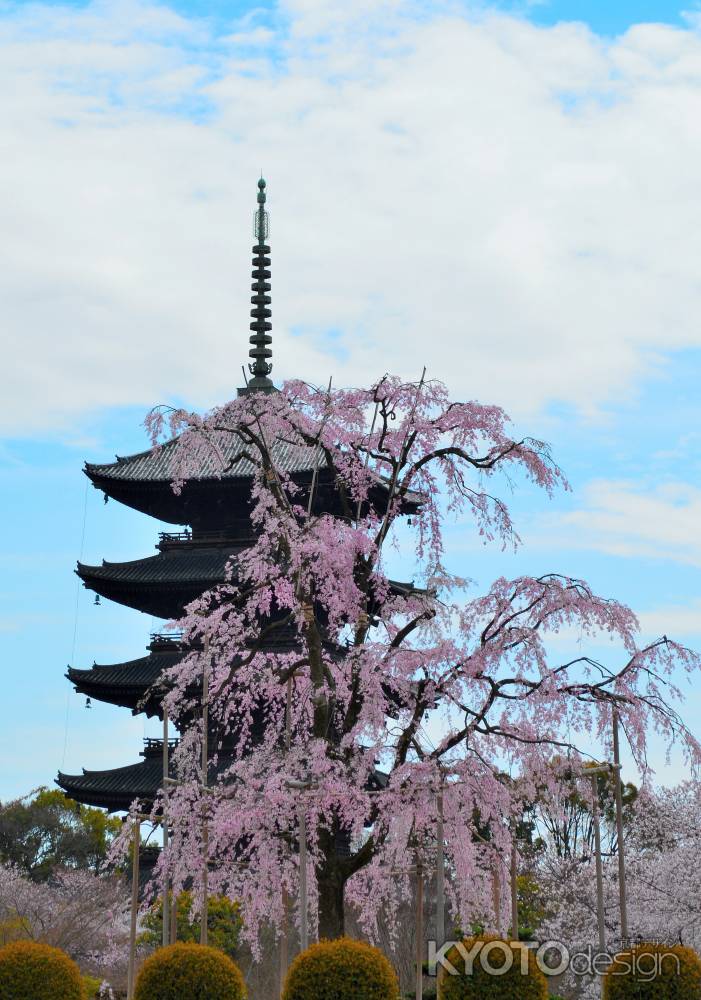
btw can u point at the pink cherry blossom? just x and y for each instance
(395, 691)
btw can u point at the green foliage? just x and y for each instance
(654, 972)
(91, 984)
(531, 907)
(32, 971)
(341, 970)
(13, 928)
(223, 924)
(50, 830)
(189, 972)
(477, 983)
(429, 991)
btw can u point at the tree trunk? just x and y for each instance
(331, 916)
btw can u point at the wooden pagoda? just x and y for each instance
(212, 516)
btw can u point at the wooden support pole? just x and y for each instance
(496, 895)
(166, 887)
(136, 844)
(284, 940)
(303, 904)
(514, 892)
(619, 831)
(173, 919)
(285, 936)
(204, 914)
(440, 874)
(599, 866)
(419, 931)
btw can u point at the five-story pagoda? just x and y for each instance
(212, 511)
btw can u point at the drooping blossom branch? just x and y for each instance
(371, 693)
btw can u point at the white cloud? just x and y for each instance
(678, 621)
(630, 519)
(516, 207)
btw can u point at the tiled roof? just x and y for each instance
(160, 464)
(138, 674)
(115, 789)
(184, 564)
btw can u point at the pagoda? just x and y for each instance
(211, 514)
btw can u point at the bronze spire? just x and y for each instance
(261, 326)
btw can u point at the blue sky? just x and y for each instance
(504, 195)
(606, 18)
(603, 18)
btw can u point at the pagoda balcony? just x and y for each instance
(166, 640)
(176, 539)
(154, 747)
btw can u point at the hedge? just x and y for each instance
(654, 972)
(341, 970)
(33, 971)
(191, 971)
(482, 978)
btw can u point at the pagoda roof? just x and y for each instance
(213, 496)
(116, 788)
(160, 464)
(126, 684)
(134, 683)
(172, 566)
(161, 585)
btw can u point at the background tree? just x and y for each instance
(46, 830)
(566, 820)
(223, 923)
(85, 915)
(387, 693)
(663, 839)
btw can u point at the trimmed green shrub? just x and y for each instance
(484, 978)
(341, 970)
(191, 971)
(33, 971)
(654, 972)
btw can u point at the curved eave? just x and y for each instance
(160, 600)
(125, 684)
(158, 465)
(160, 585)
(115, 789)
(203, 499)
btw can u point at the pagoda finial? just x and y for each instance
(260, 339)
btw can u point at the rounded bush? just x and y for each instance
(654, 972)
(191, 971)
(33, 971)
(341, 970)
(494, 970)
